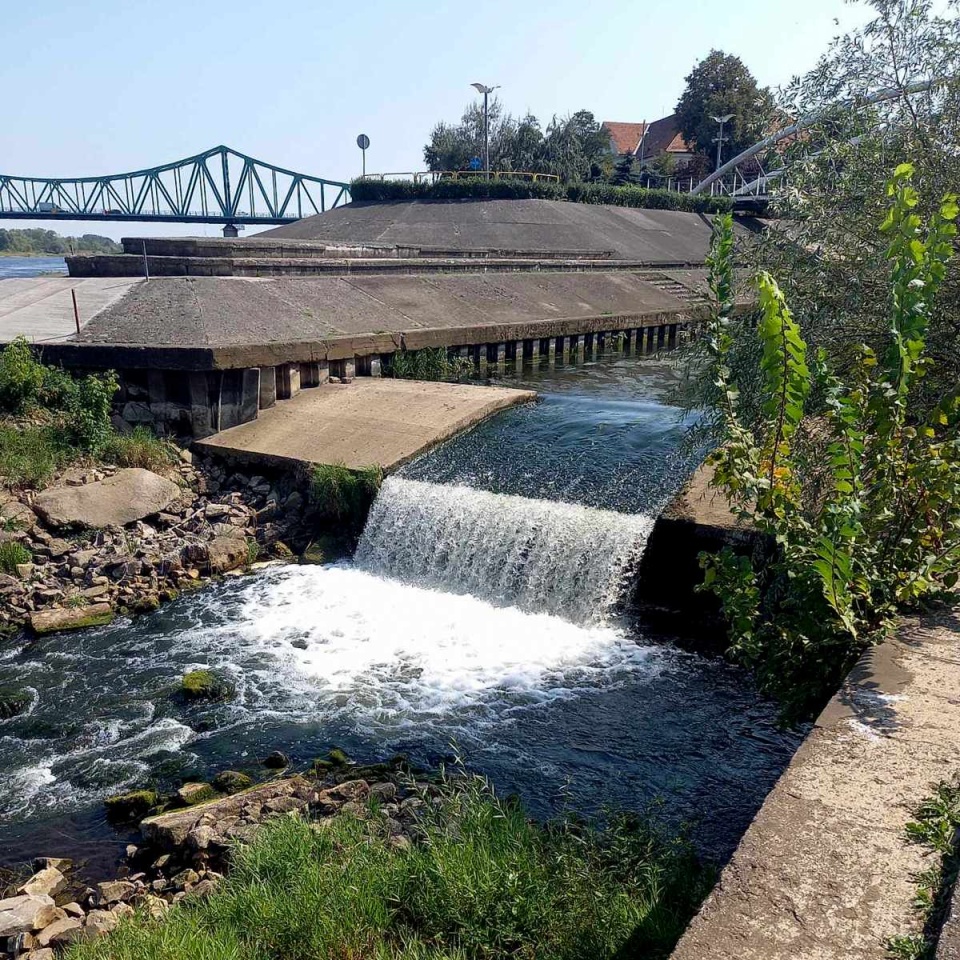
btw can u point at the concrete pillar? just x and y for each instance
(672, 334)
(661, 336)
(204, 404)
(603, 342)
(478, 354)
(528, 351)
(627, 341)
(288, 380)
(576, 348)
(651, 332)
(588, 344)
(230, 230)
(368, 365)
(560, 349)
(510, 351)
(309, 375)
(375, 365)
(496, 353)
(344, 369)
(268, 387)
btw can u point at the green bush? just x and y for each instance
(482, 883)
(88, 411)
(11, 554)
(21, 377)
(472, 188)
(858, 490)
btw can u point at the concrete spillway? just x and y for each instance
(538, 555)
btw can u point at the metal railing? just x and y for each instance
(432, 176)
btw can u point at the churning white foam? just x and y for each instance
(397, 654)
(538, 555)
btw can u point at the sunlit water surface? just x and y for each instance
(480, 612)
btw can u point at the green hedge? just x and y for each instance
(470, 188)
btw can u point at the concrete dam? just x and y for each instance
(208, 333)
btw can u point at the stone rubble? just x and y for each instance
(220, 520)
(185, 854)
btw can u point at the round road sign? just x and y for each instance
(363, 141)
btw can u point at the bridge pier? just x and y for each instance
(230, 231)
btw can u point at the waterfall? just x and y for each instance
(541, 556)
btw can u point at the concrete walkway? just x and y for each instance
(41, 308)
(364, 423)
(824, 872)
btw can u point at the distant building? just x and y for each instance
(650, 141)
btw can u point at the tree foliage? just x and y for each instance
(718, 85)
(35, 242)
(859, 496)
(573, 147)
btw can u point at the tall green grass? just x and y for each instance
(430, 363)
(482, 883)
(340, 495)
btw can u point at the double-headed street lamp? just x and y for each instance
(486, 91)
(726, 118)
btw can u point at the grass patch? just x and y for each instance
(11, 554)
(341, 497)
(431, 363)
(140, 448)
(935, 827)
(482, 883)
(31, 455)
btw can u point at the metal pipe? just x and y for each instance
(808, 120)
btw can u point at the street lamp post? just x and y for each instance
(726, 118)
(486, 91)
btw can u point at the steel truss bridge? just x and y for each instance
(219, 185)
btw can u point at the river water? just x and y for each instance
(479, 615)
(31, 266)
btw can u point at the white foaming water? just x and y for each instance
(390, 654)
(538, 555)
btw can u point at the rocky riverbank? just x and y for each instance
(185, 850)
(107, 540)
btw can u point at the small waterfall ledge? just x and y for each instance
(540, 556)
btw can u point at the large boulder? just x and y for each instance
(27, 913)
(127, 496)
(70, 618)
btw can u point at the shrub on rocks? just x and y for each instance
(205, 685)
(12, 556)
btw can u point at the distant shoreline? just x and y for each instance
(34, 256)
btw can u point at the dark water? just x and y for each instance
(420, 644)
(31, 266)
(600, 435)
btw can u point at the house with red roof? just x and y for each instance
(649, 141)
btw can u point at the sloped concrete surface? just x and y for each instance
(825, 871)
(41, 308)
(524, 226)
(207, 311)
(370, 422)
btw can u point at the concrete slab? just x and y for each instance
(522, 226)
(825, 871)
(364, 423)
(41, 308)
(233, 311)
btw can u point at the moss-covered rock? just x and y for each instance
(205, 685)
(13, 702)
(191, 794)
(231, 781)
(338, 757)
(127, 807)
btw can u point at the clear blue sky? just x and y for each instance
(103, 87)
